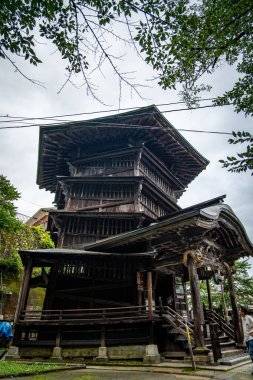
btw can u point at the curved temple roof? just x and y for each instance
(145, 126)
(170, 238)
(175, 233)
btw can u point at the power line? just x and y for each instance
(24, 118)
(129, 126)
(35, 204)
(200, 131)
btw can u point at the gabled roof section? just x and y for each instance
(171, 234)
(142, 126)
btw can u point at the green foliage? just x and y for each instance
(244, 160)
(184, 41)
(26, 238)
(8, 194)
(243, 287)
(11, 368)
(15, 235)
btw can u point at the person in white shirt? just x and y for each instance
(247, 326)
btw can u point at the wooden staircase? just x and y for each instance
(177, 330)
(176, 327)
(228, 352)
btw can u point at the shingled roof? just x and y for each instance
(173, 233)
(146, 125)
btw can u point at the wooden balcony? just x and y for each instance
(129, 314)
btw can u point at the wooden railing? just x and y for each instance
(178, 322)
(84, 315)
(222, 323)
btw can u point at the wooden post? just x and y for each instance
(196, 304)
(185, 298)
(57, 351)
(235, 314)
(51, 287)
(139, 289)
(216, 347)
(24, 290)
(151, 333)
(150, 295)
(210, 304)
(224, 304)
(58, 338)
(102, 337)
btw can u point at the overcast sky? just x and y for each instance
(18, 147)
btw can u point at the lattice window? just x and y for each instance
(152, 173)
(92, 167)
(116, 270)
(96, 190)
(153, 205)
(98, 227)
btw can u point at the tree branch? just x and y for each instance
(107, 55)
(34, 81)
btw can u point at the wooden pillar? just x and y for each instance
(196, 304)
(151, 333)
(51, 287)
(139, 288)
(210, 304)
(235, 314)
(224, 303)
(24, 290)
(102, 337)
(185, 298)
(58, 337)
(150, 295)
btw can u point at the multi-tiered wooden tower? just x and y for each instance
(114, 175)
(115, 284)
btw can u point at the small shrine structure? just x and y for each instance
(116, 284)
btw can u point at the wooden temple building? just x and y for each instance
(115, 286)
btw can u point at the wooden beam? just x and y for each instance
(24, 290)
(196, 303)
(235, 314)
(210, 305)
(150, 295)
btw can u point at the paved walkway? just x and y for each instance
(137, 373)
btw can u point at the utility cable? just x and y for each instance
(99, 124)
(23, 118)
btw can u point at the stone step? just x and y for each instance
(173, 354)
(232, 360)
(173, 331)
(181, 338)
(3, 353)
(222, 338)
(229, 344)
(232, 353)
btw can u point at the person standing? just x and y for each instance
(247, 326)
(5, 333)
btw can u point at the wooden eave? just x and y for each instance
(43, 257)
(101, 214)
(174, 234)
(146, 125)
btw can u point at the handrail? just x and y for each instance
(178, 316)
(220, 317)
(178, 322)
(134, 312)
(97, 309)
(213, 316)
